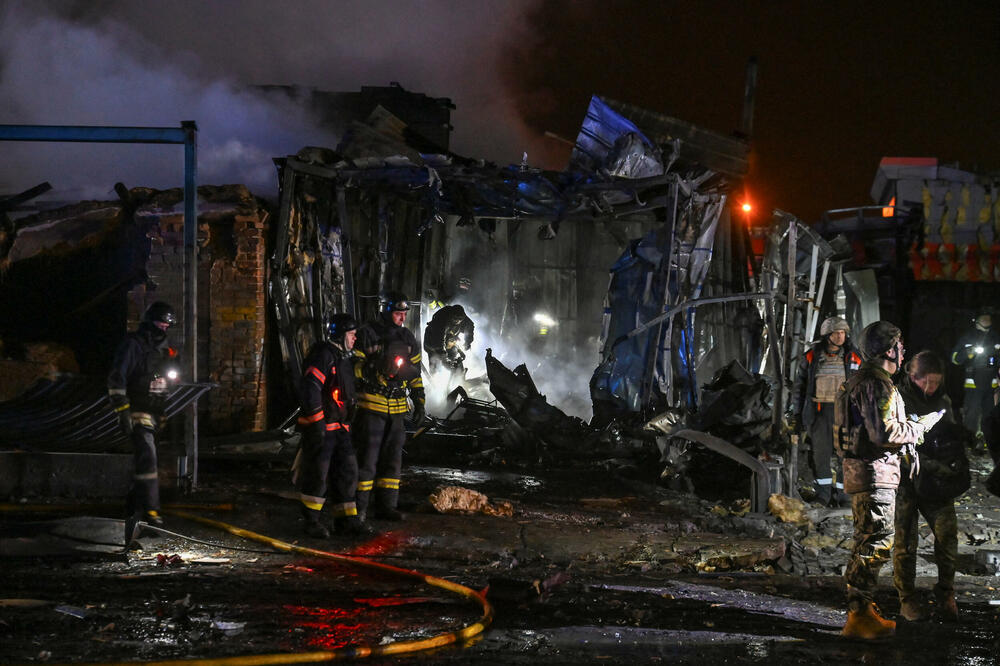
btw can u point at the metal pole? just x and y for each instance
(187, 465)
(792, 464)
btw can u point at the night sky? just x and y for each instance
(840, 84)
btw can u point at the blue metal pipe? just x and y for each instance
(93, 134)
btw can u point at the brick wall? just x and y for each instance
(231, 296)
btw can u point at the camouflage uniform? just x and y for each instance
(940, 515)
(878, 429)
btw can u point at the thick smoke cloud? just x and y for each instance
(156, 64)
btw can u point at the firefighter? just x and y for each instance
(142, 371)
(822, 369)
(326, 458)
(878, 432)
(977, 352)
(447, 337)
(923, 392)
(387, 369)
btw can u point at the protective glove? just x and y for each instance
(312, 434)
(419, 413)
(125, 421)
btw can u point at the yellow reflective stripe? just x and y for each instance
(344, 509)
(313, 503)
(415, 359)
(365, 485)
(391, 484)
(970, 383)
(122, 408)
(144, 418)
(382, 405)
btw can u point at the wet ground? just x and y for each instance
(597, 564)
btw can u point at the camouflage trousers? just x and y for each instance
(873, 530)
(944, 525)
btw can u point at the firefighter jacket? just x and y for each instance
(802, 399)
(387, 368)
(326, 390)
(138, 376)
(978, 352)
(445, 329)
(878, 429)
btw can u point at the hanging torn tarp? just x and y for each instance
(648, 359)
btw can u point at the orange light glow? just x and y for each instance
(746, 208)
(890, 210)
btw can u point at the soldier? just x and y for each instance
(977, 352)
(922, 391)
(878, 430)
(327, 397)
(821, 371)
(143, 368)
(388, 370)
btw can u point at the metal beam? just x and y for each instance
(186, 135)
(93, 134)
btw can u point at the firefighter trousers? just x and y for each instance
(976, 404)
(144, 493)
(822, 461)
(380, 458)
(329, 468)
(874, 512)
(940, 516)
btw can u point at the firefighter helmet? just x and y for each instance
(395, 301)
(340, 323)
(879, 338)
(160, 312)
(832, 324)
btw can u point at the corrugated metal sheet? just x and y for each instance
(72, 413)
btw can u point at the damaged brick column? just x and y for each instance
(231, 297)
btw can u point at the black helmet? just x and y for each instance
(340, 323)
(395, 301)
(160, 312)
(879, 338)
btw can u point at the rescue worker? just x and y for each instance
(387, 369)
(923, 392)
(143, 368)
(326, 458)
(877, 431)
(977, 352)
(821, 371)
(447, 337)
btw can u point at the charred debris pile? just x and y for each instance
(691, 349)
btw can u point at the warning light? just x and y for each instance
(746, 207)
(399, 361)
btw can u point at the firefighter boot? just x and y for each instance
(823, 494)
(313, 527)
(911, 610)
(385, 505)
(865, 623)
(352, 526)
(133, 526)
(947, 609)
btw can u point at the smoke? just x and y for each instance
(156, 64)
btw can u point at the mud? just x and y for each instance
(598, 563)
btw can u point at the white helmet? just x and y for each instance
(831, 324)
